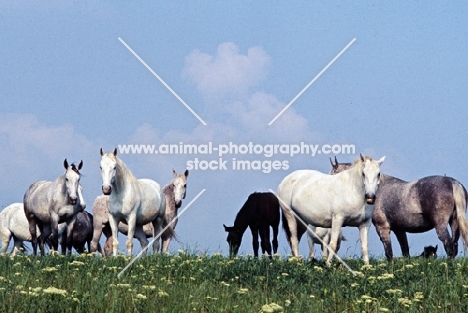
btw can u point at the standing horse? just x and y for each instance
(13, 223)
(259, 213)
(419, 206)
(174, 193)
(134, 202)
(82, 233)
(46, 204)
(331, 201)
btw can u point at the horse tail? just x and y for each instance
(460, 197)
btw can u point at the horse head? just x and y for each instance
(338, 167)
(179, 184)
(72, 181)
(234, 240)
(371, 177)
(108, 170)
(429, 252)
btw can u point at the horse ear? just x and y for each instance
(332, 164)
(174, 173)
(102, 153)
(362, 157)
(186, 173)
(80, 165)
(225, 228)
(115, 151)
(436, 248)
(381, 160)
(65, 164)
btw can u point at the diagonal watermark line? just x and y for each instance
(312, 81)
(159, 235)
(284, 206)
(162, 81)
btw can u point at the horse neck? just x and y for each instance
(355, 176)
(242, 220)
(168, 191)
(124, 177)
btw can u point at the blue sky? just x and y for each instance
(68, 87)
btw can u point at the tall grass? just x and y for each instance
(198, 283)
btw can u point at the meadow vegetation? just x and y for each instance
(188, 282)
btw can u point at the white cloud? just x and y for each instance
(228, 72)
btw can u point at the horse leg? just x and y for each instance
(363, 234)
(113, 223)
(97, 232)
(69, 234)
(141, 236)
(157, 229)
(326, 242)
(255, 244)
(131, 222)
(6, 237)
(455, 235)
(384, 233)
(18, 244)
(310, 240)
(337, 223)
(45, 233)
(444, 236)
(290, 224)
(403, 240)
(32, 230)
(265, 240)
(275, 239)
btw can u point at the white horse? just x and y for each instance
(325, 236)
(47, 204)
(134, 202)
(13, 223)
(330, 201)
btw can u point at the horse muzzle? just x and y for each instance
(106, 190)
(370, 199)
(72, 201)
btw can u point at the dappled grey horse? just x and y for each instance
(47, 204)
(417, 207)
(14, 224)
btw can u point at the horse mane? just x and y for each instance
(75, 169)
(123, 172)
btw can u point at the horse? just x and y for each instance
(135, 202)
(13, 223)
(259, 213)
(325, 235)
(429, 252)
(82, 233)
(419, 206)
(331, 201)
(48, 204)
(174, 192)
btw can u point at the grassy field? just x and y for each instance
(199, 283)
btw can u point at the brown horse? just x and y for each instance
(260, 211)
(417, 207)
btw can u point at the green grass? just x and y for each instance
(199, 283)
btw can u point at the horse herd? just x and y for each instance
(309, 201)
(53, 212)
(354, 194)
